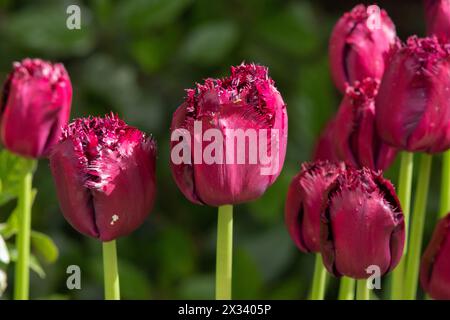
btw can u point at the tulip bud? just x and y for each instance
(413, 102)
(355, 137)
(435, 266)
(104, 171)
(35, 105)
(233, 134)
(437, 16)
(359, 48)
(362, 225)
(325, 149)
(305, 200)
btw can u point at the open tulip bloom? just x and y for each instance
(35, 104)
(228, 145)
(104, 171)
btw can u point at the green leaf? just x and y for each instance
(10, 228)
(33, 263)
(12, 170)
(4, 253)
(210, 43)
(36, 267)
(44, 246)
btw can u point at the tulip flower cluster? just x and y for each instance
(361, 46)
(228, 146)
(353, 217)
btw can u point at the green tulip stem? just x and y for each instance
(111, 271)
(224, 258)
(445, 185)
(404, 195)
(417, 224)
(22, 271)
(362, 292)
(347, 289)
(319, 279)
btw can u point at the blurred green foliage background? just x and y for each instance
(135, 58)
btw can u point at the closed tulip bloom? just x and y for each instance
(437, 14)
(244, 119)
(413, 102)
(104, 171)
(35, 105)
(360, 45)
(355, 137)
(435, 266)
(362, 225)
(325, 149)
(304, 202)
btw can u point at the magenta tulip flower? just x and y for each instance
(362, 225)
(413, 102)
(435, 266)
(355, 137)
(35, 105)
(360, 46)
(304, 202)
(437, 14)
(325, 149)
(229, 138)
(104, 171)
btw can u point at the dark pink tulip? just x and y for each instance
(35, 105)
(304, 202)
(413, 102)
(362, 225)
(355, 137)
(435, 266)
(247, 101)
(104, 171)
(437, 14)
(325, 148)
(360, 46)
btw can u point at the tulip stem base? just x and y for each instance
(319, 279)
(417, 224)
(347, 289)
(362, 292)
(22, 271)
(404, 195)
(224, 258)
(445, 185)
(111, 271)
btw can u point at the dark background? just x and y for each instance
(135, 58)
